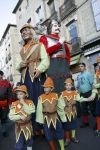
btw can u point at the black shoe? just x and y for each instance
(5, 134)
(97, 133)
(85, 125)
(75, 140)
(67, 142)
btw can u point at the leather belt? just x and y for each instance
(19, 123)
(35, 61)
(49, 113)
(58, 56)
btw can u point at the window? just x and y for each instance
(96, 11)
(9, 56)
(19, 9)
(75, 40)
(72, 28)
(40, 14)
(52, 6)
(29, 20)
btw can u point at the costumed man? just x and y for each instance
(33, 66)
(5, 102)
(47, 115)
(67, 110)
(59, 55)
(20, 113)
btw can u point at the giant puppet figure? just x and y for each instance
(59, 55)
(33, 64)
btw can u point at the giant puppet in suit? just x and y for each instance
(59, 55)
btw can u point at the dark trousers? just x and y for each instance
(97, 106)
(3, 118)
(70, 125)
(51, 132)
(23, 142)
(88, 106)
(58, 71)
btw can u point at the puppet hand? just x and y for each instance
(37, 73)
(62, 40)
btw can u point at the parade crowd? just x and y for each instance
(46, 101)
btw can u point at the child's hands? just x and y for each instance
(23, 117)
(91, 98)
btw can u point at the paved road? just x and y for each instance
(86, 136)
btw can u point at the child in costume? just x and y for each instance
(47, 114)
(97, 86)
(20, 113)
(67, 111)
(96, 95)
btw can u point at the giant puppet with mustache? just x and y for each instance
(59, 54)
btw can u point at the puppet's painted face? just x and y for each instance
(55, 28)
(26, 34)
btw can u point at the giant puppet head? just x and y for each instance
(53, 27)
(27, 32)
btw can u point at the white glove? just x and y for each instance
(62, 40)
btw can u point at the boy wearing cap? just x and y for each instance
(20, 113)
(47, 114)
(67, 110)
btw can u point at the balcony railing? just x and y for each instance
(75, 46)
(67, 8)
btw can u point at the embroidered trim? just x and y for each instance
(51, 122)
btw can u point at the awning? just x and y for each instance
(75, 59)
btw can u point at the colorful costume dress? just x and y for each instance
(23, 129)
(47, 115)
(67, 111)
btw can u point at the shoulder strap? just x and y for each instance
(32, 50)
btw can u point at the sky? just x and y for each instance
(6, 16)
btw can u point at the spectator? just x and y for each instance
(5, 101)
(85, 83)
